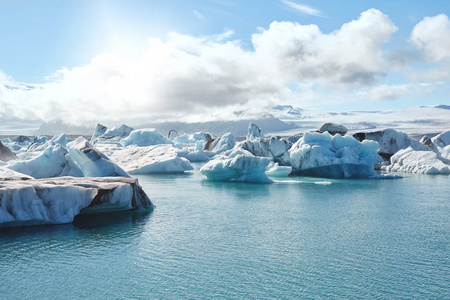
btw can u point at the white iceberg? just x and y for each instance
(324, 155)
(6, 154)
(187, 138)
(60, 139)
(420, 162)
(441, 140)
(8, 174)
(237, 165)
(254, 132)
(52, 162)
(91, 161)
(391, 141)
(273, 147)
(226, 142)
(145, 137)
(445, 152)
(111, 135)
(278, 171)
(148, 160)
(59, 200)
(195, 155)
(333, 128)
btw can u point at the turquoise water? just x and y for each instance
(387, 239)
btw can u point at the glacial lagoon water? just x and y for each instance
(299, 238)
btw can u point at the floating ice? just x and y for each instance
(391, 141)
(91, 161)
(333, 128)
(59, 200)
(237, 165)
(145, 137)
(323, 155)
(51, 162)
(226, 142)
(6, 154)
(254, 132)
(7, 174)
(196, 155)
(111, 135)
(190, 138)
(441, 140)
(420, 162)
(273, 147)
(148, 160)
(278, 171)
(60, 139)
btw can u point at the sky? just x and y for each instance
(85, 61)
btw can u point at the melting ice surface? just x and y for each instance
(386, 239)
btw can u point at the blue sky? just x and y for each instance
(40, 38)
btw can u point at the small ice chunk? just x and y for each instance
(145, 137)
(279, 171)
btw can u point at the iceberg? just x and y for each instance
(445, 152)
(99, 130)
(278, 171)
(324, 155)
(148, 160)
(441, 140)
(333, 129)
(391, 141)
(111, 135)
(420, 162)
(145, 137)
(91, 161)
(59, 200)
(6, 154)
(273, 147)
(79, 159)
(237, 165)
(196, 155)
(226, 142)
(60, 139)
(8, 174)
(190, 138)
(52, 162)
(254, 132)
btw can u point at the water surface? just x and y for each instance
(292, 239)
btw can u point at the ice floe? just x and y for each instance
(148, 160)
(59, 200)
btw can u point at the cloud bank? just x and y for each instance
(209, 78)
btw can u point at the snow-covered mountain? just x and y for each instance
(277, 120)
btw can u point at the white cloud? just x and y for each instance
(392, 92)
(198, 15)
(432, 37)
(347, 57)
(205, 78)
(302, 8)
